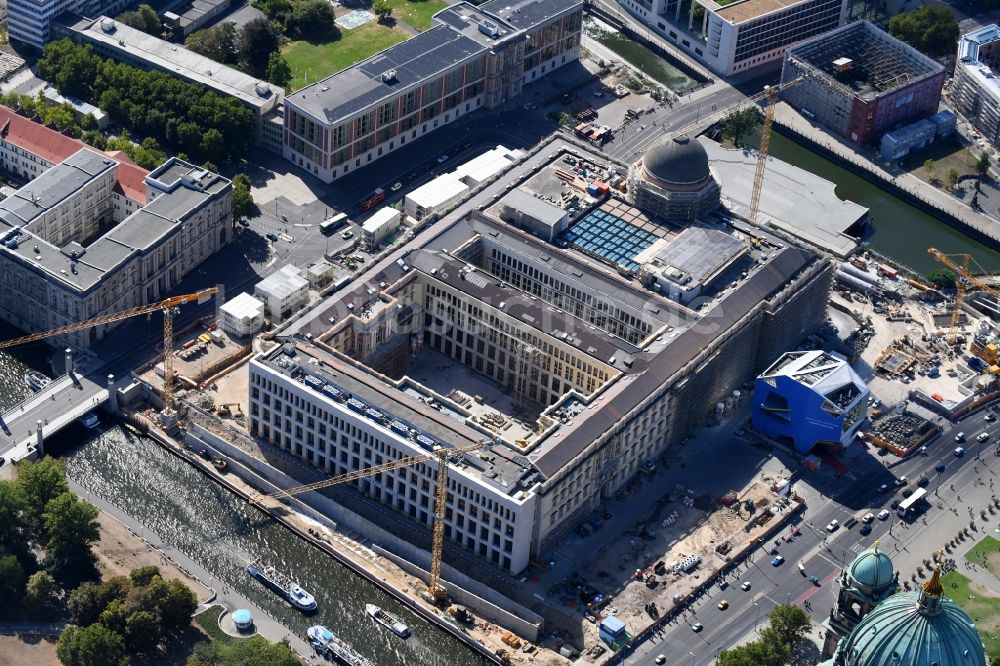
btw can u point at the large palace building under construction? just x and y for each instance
(573, 371)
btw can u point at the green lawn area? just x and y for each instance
(984, 610)
(208, 620)
(311, 62)
(417, 13)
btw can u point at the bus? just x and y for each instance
(913, 505)
(334, 223)
(372, 199)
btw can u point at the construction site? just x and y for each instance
(853, 77)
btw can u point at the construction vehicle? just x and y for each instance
(435, 594)
(224, 409)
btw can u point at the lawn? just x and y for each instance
(983, 609)
(986, 553)
(208, 620)
(311, 62)
(417, 13)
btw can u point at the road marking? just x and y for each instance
(303, 226)
(856, 548)
(816, 588)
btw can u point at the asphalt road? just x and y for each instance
(824, 554)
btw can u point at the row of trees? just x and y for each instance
(39, 513)
(187, 116)
(303, 19)
(122, 616)
(779, 642)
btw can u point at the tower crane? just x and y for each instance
(166, 306)
(435, 591)
(963, 281)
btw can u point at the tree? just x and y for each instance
(144, 18)
(278, 71)
(95, 645)
(213, 146)
(39, 483)
(982, 165)
(218, 43)
(13, 535)
(951, 178)
(739, 123)
(382, 9)
(176, 608)
(790, 624)
(942, 278)
(41, 590)
(12, 580)
(761, 652)
(255, 43)
(85, 604)
(72, 527)
(142, 632)
(95, 138)
(144, 575)
(242, 201)
(316, 17)
(931, 29)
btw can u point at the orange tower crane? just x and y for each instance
(435, 591)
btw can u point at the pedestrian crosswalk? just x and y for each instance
(857, 548)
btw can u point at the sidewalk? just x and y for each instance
(266, 626)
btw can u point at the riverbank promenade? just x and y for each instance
(985, 225)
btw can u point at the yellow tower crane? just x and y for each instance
(435, 591)
(165, 306)
(964, 280)
(771, 94)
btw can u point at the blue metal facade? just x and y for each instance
(792, 412)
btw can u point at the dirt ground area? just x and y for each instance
(947, 155)
(891, 390)
(686, 525)
(119, 551)
(27, 651)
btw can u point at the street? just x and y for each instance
(824, 555)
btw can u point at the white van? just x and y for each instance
(960, 437)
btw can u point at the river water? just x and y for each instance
(902, 231)
(221, 533)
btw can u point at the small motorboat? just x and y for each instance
(90, 420)
(36, 381)
(220, 464)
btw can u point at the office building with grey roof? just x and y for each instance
(471, 58)
(70, 251)
(573, 373)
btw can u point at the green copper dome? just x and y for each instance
(913, 629)
(872, 568)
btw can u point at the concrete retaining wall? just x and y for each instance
(461, 591)
(483, 600)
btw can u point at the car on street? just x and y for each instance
(244, 222)
(4, 460)
(982, 437)
(901, 481)
(990, 418)
(745, 586)
(396, 187)
(923, 482)
(868, 517)
(939, 467)
(777, 561)
(697, 626)
(833, 525)
(884, 488)
(865, 530)
(960, 437)
(442, 159)
(883, 514)
(271, 237)
(723, 605)
(660, 659)
(959, 452)
(346, 233)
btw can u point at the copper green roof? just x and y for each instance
(872, 568)
(914, 629)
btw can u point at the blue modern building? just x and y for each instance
(809, 398)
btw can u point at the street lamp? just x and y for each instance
(757, 618)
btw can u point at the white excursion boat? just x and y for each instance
(388, 620)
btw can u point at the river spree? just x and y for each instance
(902, 231)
